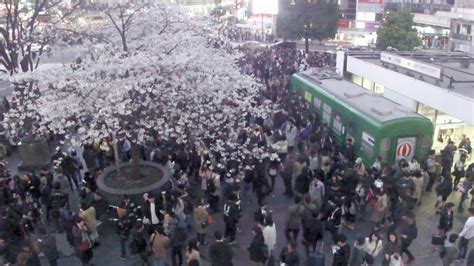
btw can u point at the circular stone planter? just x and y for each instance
(153, 177)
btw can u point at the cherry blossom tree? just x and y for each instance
(173, 78)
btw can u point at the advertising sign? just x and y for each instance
(420, 67)
(343, 24)
(371, 1)
(406, 148)
(267, 7)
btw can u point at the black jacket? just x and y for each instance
(446, 220)
(257, 249)
(220, 254)
(313, 230)
(342, 255)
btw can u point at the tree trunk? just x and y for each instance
(124, 43)
(136, 158)
(306, 44)
(117, 157)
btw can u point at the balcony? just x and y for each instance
(461, 37)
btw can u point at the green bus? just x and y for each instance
(376, 125)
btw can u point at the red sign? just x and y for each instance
(343, 24)
(370, 1)
(404, 150)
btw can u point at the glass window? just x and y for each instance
(367, 144)
(317, 104)
(379, 89)
(357, 79)
(367, 84)
(384, 149)
(326, 113)
(337, 124)
(351, 131)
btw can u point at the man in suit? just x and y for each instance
(152, 211)
(220, 252)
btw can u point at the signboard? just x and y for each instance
(368, 138)
(343, 24)
(269, 7)
(369, 25)
(406, 148)
(419, 67)
(308, 96)
(371, 1)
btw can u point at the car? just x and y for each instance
(392, 49)
(35, 48)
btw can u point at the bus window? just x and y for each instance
(351, 131)
(337, 124)
(384, 149)
(326, 113)
(367, 144)
(317, 104)
(425, 145)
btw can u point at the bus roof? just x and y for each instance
(375, 106)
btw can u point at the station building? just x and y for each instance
(439, 86)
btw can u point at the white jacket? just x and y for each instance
(270, 237)
(291, 135)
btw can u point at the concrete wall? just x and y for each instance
(445, 100)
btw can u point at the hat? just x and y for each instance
(358, 160)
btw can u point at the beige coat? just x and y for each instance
(379, 208)
(158, 245)
(200, 215)
(418, 187)
(88, 216)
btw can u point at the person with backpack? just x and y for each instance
(408, 233)
(158, 242)
(213, 191)
(220, 252)
(231, 218)
(334, 220)
(294, 220)
(258, 250)
(138, 245)
(312, 232)
(123, 228)
(178, 236)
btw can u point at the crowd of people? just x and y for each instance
(243, 34)
(329, 186)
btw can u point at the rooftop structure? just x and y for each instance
(373, 105)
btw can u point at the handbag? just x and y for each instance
(437, 240)
(369, 258)
(84, 246)
(210, 219)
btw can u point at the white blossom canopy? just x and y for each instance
(176, 80)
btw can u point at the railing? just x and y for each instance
(461, 37)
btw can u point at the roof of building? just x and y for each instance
(462, 76)
(373, 105)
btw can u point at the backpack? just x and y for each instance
(137, 245)
(211, 186)
(181, 233)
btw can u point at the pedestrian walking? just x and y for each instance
(466, 235)
(220, 252)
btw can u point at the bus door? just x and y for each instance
(406, 148)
